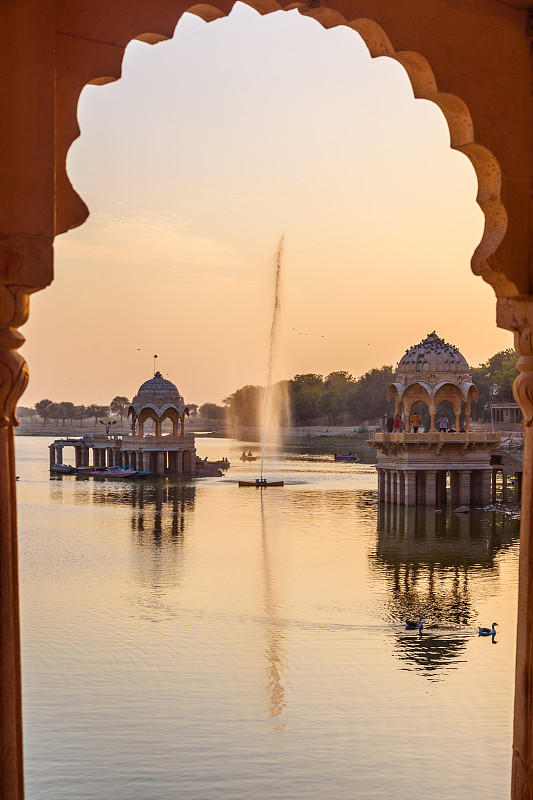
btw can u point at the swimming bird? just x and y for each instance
(487, 631)
(411, 625)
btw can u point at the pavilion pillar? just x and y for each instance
(381, 486)
(441, 487)
(401, 487)
(504, 486)
(146, 461)
(454, 488)
(193, 462)
(467, 415)
(77, 456)
(110, 457)
(431, 487)
(59, 455)
(410, 488)
(407, 405)
(484, 486)
(393, 495)
(420, 487)
(179, 462)
(182, 425)
(464, 487)
(52, 450)
(493, 492)
(160, 463)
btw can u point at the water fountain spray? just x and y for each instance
(261, 481)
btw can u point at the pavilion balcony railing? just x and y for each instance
(478, 437)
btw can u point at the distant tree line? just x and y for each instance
(339, 398)
(50, 411)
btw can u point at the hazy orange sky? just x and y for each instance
(209, 148)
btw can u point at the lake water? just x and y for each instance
(194, 640)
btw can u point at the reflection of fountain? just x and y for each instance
(429, 558)
(274, 635)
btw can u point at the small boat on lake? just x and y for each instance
(112, 473)
(261, 483)
(349, 457)
(62, 469)
(222, 464)
(248, 456)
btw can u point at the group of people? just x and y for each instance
(396, 423)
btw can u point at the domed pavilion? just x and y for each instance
(158, 400)
(433, 372)
(431, 467)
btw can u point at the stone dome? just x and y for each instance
(159, 396)
(157, 391)
(433, 356)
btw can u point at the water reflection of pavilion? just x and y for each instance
(428, 557)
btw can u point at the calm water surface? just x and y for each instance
(194, 640)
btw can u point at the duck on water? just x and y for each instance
(487, 631)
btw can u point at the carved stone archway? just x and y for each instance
(480, 52)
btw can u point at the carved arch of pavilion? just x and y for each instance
(480, 52)
(158, 399)
(71, 210)
(433, 372)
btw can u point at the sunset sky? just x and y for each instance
(210, 147)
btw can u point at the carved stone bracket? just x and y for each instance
(516, 314)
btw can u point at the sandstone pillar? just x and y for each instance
(421, 487)
(493, 493)
(161, 464)
(410, 488)
(59, 455)
(464, 487)
(504, 486)
(179, 463)
(441, 496)
(401, 487)
(77, 456)
(13, 380)
(454, 488)
(431, 487)
(146, 461)
(485, 486)
(52, 450)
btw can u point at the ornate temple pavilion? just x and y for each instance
(174, 453)
(414, 468)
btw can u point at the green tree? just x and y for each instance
(119, 405)
(337, 388)
(80, 412)
(25, 412)
(43, 409)
(212, 412)
(245, 406)
(305, 392)
(368, 400)
(66, 411)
